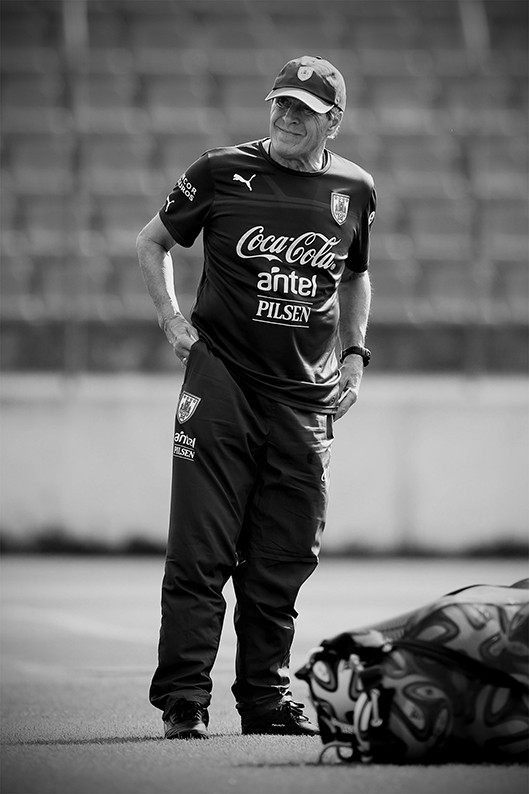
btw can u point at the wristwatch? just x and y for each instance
(357, 351)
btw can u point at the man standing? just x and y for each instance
(286, 247)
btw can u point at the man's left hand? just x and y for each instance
(351, 370)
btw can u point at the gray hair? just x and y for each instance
(335, 115)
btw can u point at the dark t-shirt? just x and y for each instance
(276, 243)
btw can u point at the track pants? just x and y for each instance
(249, 496)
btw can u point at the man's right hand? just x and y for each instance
(181, 336)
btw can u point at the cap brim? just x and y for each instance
(308, 99)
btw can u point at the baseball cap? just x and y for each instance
(312, 80)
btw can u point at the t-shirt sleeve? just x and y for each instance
(186, 208)
(358, 257)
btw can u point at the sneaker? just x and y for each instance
(287, 719)
(188, 720)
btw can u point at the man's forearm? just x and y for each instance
(355, 304)
(156, 265)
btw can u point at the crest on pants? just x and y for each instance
(339, 207)
(187, 406)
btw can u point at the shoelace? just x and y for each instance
(295, 710)
(188, 710)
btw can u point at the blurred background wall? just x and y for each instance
(103, 105)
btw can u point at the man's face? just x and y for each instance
(296, 131)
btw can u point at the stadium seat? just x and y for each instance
(118, 164)
(53, 225)
(46, 224)
(444, 36)
(11, 239)
(163, 40)
(107, 29)
(29, 26)
(181, 94)
(498, 166)
(123, 346)
(16, 60)
(108, 49)
(107, 103)
(393, 284)
(510, 291)
(236, 32)
(390, 209)
(441, 126)
(244, 92)
(424, 165)
(30, 38)
(363, 149)
(442, 229)
(246, 114)
(403, 104)
(509, 62)
(392, 61)
(91, 297)
(381, 28)
(33, 103)
(8, 202)
(72, 286)
(173, 29)
(223, 61)
(176, 104)
(307, 30)
(508, 25)
(127, 287)
(435, 24)
(480, 104)
(16, 287)
(52, 283)
(504, 230)
(40, 163)
(451, 63)
(448, 290)
(174, 153)
(126, 284)
(121, 218)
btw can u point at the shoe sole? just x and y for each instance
(277, 732)
(186, 735)
(185, 730)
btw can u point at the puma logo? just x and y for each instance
(169, 202)
(239, 178)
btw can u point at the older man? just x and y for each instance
(286, 227)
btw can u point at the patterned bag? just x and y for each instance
(448, 682)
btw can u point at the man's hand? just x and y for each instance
(181, 335)
(351, 370)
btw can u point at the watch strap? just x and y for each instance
(363, 352)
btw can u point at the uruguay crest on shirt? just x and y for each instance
(339, 207)
(186, 406)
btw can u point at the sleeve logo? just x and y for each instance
(186, 187)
